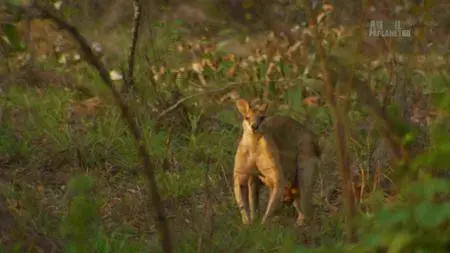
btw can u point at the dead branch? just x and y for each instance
(362, 88)
(388, 127)
(181, 101)
(228, 86)
(28, 43)
(129, 79)
(339, 127)
(160, 216)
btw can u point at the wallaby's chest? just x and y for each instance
(251, 154)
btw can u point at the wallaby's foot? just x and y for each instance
(263, 221)
(300, 220)
(252, 220)
(245, 220)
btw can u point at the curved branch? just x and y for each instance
(161, 219)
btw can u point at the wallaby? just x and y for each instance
(279, 152)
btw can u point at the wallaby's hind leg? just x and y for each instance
(269, 162)
(300, 216)
(275, 199)
(254, 185)
(307, 170)
(297, 202)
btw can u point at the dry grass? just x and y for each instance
(65, 147)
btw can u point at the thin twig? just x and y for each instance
(161, 219)
(129, 79)
(179, 102)
(217, 90)
(16, 13)
(28, 42)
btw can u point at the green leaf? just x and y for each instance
(293, 97)
(262, 68)
(156, 143)
(311, 60)
(428, 188)
(408, 138)
(179, 22)
(387, 217)
(400, 241)
(435, 186)
(224, 45)
(224, 66)
(373, 240)
(11, 37)
(430, 215)
(14, 2)
(285, 69)
(224, 32)
(272, 88)
(247, 4)
(314, 84)
(80, 185)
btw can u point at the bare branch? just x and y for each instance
(388, 128)
(232, 85)
(161, 219)
(129, 79)
(339, 127)
(179, 102)
(30, 47)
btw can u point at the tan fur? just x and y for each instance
(279, 152)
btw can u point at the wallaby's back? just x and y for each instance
(290, 136)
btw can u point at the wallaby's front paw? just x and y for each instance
(245, 220)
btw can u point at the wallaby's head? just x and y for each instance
(253, 116)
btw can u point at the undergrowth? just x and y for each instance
(73, 173)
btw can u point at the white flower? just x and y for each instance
(197, 67)
(97, 47)
(62, 59)
(76, 57)
(58, 4)
(115, 76)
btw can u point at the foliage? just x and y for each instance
(79, 165)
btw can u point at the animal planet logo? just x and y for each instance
(386, 28)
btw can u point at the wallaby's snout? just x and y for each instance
(257, 122)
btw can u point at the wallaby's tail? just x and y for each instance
(317, 149)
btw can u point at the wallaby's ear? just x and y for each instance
(263, 108)
(242, 106)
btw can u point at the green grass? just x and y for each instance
(79, 181)
(45, 131)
